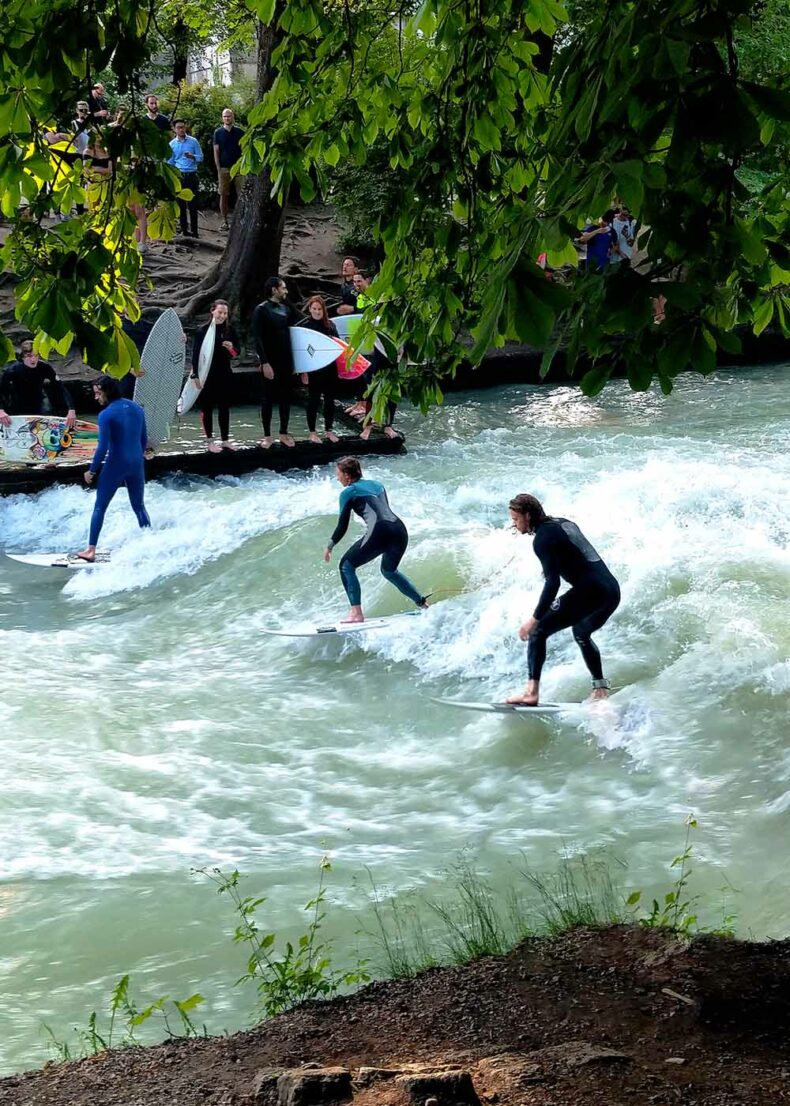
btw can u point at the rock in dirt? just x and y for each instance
(302, 1087)
(448, 1088)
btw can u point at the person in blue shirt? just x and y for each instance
(601, 242)
(119, 455)
(385, 536)
(186, 157)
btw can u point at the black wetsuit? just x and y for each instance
(321, 382)
(33, 390)
(385, 536)
(270, 327)
(216, 390)
(592, 598)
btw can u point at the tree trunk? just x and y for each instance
(180, 52)
(252, 252)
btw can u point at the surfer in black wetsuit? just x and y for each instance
(29, 387)
(592, 598)
(385, 536)
(270, 327)
(216, 390)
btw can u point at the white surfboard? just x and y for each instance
(347, 326)
(162, 362)
(312, 350)
(191, 390)
(58, 560)
(321, 629)
(543, 710)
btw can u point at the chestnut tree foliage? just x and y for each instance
(509, 125)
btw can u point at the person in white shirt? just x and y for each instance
(625, 229)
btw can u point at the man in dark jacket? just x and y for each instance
(271, 322)
(29, 387)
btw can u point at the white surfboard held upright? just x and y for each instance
(191, 390)
(162, 362)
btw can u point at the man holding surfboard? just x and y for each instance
(119, 455)
(270, 333)
(591, 600)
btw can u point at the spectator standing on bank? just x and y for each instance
(98, 108)
(29, 387)
(186, 157)
(321, 382)
(227, 151)
(154, 115)
(625, 229)
(348, 295)
(270, 328)
(601, 242)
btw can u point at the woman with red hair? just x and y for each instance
(321, 382)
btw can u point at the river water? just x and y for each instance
(149, 727)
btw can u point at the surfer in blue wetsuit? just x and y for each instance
(119, 455)
(385, 536)
(591, 600)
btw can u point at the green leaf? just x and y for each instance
(762, 316)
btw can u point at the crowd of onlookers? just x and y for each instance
(82, 140)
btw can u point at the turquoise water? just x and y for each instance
(151, 728)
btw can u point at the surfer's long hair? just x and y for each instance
(528, 505)
(219, 303)
(111, 387)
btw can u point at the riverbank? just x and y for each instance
(311, 261)
(608, 1017)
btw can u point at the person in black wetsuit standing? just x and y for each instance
(321, 382)
(216, 390)
(29, 387)
(270, 325)
(385, 536)
(591, 600)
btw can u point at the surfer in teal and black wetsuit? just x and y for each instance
(385, 536)
(593, 597)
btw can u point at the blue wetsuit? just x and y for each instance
(385, 536)
(594, 594)
(122, 441)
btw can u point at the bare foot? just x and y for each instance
(313, 437)
(366, 433)
(599, 693)
(228, 445)
(286, 439)
(391, 432)
(332, 437)
(149, 454)
(88, 555)
(522, 700)
(355, 618)
(214, 447)
(355, 614)
(265, 443)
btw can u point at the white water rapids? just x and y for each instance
(149, 727)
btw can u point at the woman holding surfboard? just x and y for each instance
(217, 383)
(321, 382)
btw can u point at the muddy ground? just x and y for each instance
(618, 1017)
